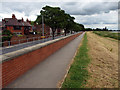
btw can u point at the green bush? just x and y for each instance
(6, 32)
(19, 35)
(6, 38)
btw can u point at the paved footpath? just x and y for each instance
(48, 73)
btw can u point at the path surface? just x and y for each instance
(48, 73)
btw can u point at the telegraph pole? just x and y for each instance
(42, 25)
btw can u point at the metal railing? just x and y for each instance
(33, 39)
(30, 40)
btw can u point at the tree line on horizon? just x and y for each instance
(99, 29)
(56, 18)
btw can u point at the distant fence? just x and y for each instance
(25, 39)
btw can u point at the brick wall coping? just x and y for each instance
(14, 54)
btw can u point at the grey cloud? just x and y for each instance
(73, 8)
(119, 5)
(27, 7)
(71, 3)
(82, 8)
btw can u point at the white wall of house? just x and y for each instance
(50, 31)
(62, 31)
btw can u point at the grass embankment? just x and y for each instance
(103, 67)
(78, 74)
(108, 34)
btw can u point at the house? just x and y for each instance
(17, 26)
(38, 29)
(47, 30)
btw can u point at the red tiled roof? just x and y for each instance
(15, 22)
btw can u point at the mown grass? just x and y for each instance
(78, 73)
(108, 34)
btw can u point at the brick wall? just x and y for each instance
(11, 29)
(15, 39)
(16, 67)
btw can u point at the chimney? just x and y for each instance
(13, 16)
(22, 19)
(3, 20)
(27, 20)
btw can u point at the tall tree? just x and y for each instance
(53, 17)
(78, 27)
(68, 23)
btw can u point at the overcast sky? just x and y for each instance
(90, 13)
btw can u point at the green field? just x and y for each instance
(78, 73)
(108, 34)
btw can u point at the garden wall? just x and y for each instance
(17, 63)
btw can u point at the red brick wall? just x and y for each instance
(16, 67)
(12, 30)
(15, 39)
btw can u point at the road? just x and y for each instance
(24, 45)
(49, 72)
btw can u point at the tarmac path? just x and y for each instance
(49, 72)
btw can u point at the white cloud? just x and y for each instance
(111, 17)
(91, 13)
(109, 26)
(59, 0)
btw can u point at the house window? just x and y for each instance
(27, 28)
(17, 27)
(17, 33)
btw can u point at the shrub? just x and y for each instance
(6, 38)
(19, 35)
(6, 32)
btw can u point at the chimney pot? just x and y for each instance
(13, 16)
(22, 19)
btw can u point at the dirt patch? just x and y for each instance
(104, 62)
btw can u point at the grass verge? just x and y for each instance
(78, 73)
(108, 34)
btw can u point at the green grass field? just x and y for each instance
(108, 34)
(78, 73)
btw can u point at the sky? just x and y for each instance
(90, 13)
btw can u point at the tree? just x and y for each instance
(32, 22)
(6, 35)
(6, 32)
(88, 29)
(78, 27)
(53, 17)
(57, 18)
(68, 23)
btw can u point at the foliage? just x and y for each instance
(88, 29)
(6, 38)
(6, 35)
(108, 34)
(6, 32)
(53, 17)
(97, 29)
(56, 18)
(78, 74)
(68, 23)
(78, 27)
(19, 35)
(32, 22)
